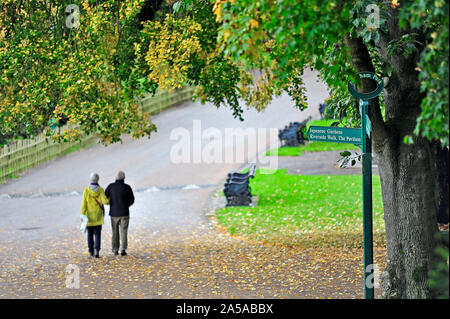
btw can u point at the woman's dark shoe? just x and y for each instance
(91, 253)
(116, 253)
(123, 253)
(97, 254)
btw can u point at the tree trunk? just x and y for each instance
(443, 166)
(409, 182)
(409, 178)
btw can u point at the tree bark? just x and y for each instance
(443, 165)
(409, 179)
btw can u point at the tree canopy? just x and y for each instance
(90, 73)
(58, 66)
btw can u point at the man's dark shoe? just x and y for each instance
(123, 253)
(116, 253)
(91, 253)
(97, 254)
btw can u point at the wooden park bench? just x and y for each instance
(292, 134)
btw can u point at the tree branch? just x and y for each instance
(361, 61)
(404, 86)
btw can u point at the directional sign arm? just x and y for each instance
(335, 134)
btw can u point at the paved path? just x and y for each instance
(174, 249)
(320, 163)
(52, 192)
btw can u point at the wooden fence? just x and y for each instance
(24, 154)
(163, 100)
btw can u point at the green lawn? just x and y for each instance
(312, 146)
(305, 210)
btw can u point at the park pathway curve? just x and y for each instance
(174, 250)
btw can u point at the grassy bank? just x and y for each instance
(309, 211)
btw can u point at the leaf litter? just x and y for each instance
(208, 263)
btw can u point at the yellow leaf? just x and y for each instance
(254, 23)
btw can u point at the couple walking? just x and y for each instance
(119, 196)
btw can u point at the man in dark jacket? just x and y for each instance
(121, 198)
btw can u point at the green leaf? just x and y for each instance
(408, 139)
(177, 7)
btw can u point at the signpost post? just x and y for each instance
(360, 137)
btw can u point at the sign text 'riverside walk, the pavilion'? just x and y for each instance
(335, 134)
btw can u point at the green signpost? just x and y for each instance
(361, 137)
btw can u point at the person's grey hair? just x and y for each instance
(94, 177)
(120, 176)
